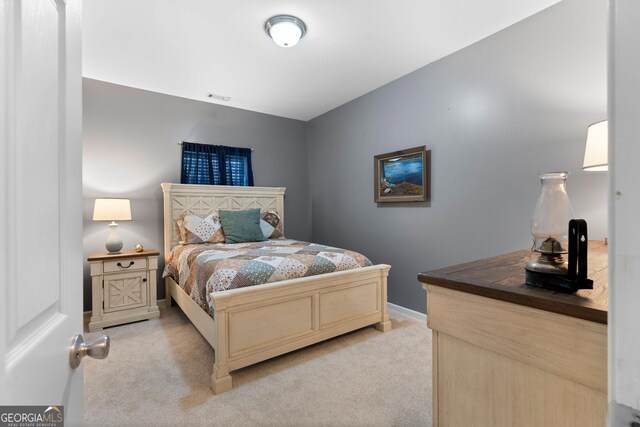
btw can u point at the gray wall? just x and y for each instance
(130, 146)
(494, 115)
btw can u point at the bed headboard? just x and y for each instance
(202, 199)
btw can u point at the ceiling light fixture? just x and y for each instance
(285, 30)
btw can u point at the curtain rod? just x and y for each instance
(180, 143)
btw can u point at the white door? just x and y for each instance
(624, 208)
(40, 203)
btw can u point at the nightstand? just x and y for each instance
(124, 288)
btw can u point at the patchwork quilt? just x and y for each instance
(205, 268)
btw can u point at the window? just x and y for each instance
(216, 165)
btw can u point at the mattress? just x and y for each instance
(201, 269)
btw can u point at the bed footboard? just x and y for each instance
(258, 323)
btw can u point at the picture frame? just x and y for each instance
(402, 176)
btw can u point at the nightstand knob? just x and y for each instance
(144, 280)
(122, 266)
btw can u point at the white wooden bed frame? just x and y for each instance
(260, 322)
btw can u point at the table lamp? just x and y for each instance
(112, 210)
(596, 156)
(595, 153)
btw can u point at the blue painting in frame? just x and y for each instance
(402, 176)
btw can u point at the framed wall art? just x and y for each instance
(402, 176)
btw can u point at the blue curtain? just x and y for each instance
(216, 165)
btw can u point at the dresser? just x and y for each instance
(123, 288)
(508, 354)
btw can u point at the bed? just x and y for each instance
(252, 324)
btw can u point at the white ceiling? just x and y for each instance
(190, 48)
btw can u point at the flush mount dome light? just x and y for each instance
(285, 30)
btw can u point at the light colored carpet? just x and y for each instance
(157, 374)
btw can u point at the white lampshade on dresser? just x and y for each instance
(112, 210)
(596, 152)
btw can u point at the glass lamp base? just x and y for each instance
(551, 272)
(548, 264)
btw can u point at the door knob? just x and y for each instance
(97, 349)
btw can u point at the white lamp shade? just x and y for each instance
(112, 210)
(596, 152)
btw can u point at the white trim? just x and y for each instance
(415, 315)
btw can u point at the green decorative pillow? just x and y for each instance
(241, 226)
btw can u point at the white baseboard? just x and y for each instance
(416, 315)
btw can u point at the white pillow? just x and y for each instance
(200, 229)
(271, 224)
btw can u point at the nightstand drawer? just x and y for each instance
(125, 291)
(125, 264)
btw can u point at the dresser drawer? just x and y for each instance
(125, 264)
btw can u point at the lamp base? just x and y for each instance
(549, 264)
(550, 271)
(114, 242)
(556, 282)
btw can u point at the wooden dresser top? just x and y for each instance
(503, 278)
